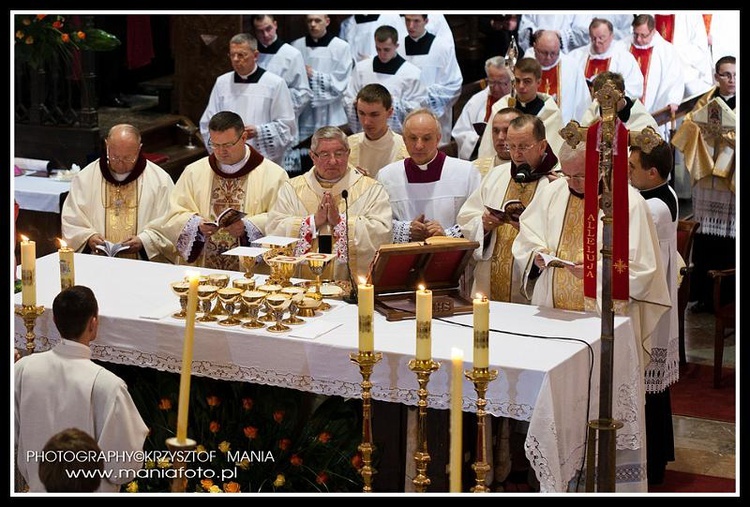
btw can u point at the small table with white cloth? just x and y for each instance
(549, 382)
(40, 200)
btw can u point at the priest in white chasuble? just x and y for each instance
(235, 176)
(115, 198)
(333, 208)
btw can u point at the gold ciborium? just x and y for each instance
(296, 294)
(269, 288)
(270, 256)
(308, 306)
(206, 294)
(317, 263)
(181, 290)
(278, 303)
(228, 296)
(253, 299)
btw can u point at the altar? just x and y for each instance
(547, 359)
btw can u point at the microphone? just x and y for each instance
(353, 296)
(523, 173)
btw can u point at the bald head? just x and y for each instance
(421, 135)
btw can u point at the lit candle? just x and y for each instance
(187, 357)
(424, 322)
(481, 332)
(28, 272)
(67, 269)
(457, 365)
(366, 305)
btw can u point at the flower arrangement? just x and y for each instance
(254, 438)
(43, 38)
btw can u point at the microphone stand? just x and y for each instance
(353, 296)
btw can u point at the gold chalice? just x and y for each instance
(317, 263)
(285, 265)
(229, 296)
(243, 284)
(181, 289)
(221, 280)
(279, 303)
(253, 300)
(296, 295)
(206, 294)
(269, 288)
(308, 306)
(248, 265)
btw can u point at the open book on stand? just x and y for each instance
(227, 217)
(509, 212)
(111, 249)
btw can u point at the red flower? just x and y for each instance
(324, 437)
(81, 35)
(322, 478)
(213, 401)
(247, 404)
(250, 432)
(357, 461)
(214, 427)
(165, 404)
(65, 37)
(278, 416)
(284, 444)
(295, 460)
(57, 24)
(231, 487)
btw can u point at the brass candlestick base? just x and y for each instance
(481, 377)
(423, 368)
(29, 314)
(179, 482)
(366, 362)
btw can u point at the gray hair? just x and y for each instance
(328, 133)
(245, 38)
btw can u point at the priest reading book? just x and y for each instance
(111, 249)
(227, 217)
(509, 212)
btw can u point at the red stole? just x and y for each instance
(488, 110)
(551, 83)
(620, 214)
(643, 57)
(595, 66)
(665, 25)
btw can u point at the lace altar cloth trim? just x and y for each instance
(715, 210)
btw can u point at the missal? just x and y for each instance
(227, 217)
(509, 212)
(111, 249)
(552, 261)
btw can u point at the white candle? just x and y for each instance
(456, 419)
(424, 323)
(67, 268)
(28, 272)
(187, 357)
(481, 332)
(366, 305)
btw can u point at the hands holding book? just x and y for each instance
(226, 219)
(508, 213)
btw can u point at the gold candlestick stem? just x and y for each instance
(366, 362)
(29, 314)
(481, 377)
(423, 369)
(180, 450)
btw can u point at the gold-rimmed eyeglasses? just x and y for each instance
(520, 148)
(576, 177)
(121, 160)
(326, 155)
(223, 146)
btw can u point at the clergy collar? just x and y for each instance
(253, 161)
(253, 77)
(602, 56)
(662, 193)
(366, 18)
(580, 195)
(624, 115)
(272, 48)
(415, 173)
(391, 67)
(548, 162)
(140, 166)
(647, 46)
(553, 65)
(532, 107)
(323, 41)
(326, 183)
(419, 46)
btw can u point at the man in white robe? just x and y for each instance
(286, 61)
(500, 123)
(528, 78)
(649, 173)
(115, 198)
(441, 74)
(329, 65)
(570, 27)
(359, 30)
(562, 78)
(402, 79)
(604, 54)
(630, 111)
(313, 203)
(428, 188)
(62, 388)
(495, 273)
(474, 116)
(260, 97)
(377, 145)
(234, 176)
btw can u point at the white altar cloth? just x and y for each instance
(39, 194)
(544, 381)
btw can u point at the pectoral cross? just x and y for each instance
(118, 202)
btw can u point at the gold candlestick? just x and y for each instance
(481, 377)
(179, 482)
(423, 368)
(29, 314)
(366, 362)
